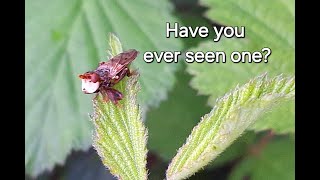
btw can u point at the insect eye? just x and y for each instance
(94, 78)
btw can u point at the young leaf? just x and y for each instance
(267, 24)
(228, 119)
(120, 136)
(67, 38)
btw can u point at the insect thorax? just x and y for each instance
(103, 73)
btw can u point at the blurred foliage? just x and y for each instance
(83, 166)
(191, 14)
(79, 165)
(281, 120)
(67, 38)
(170, 123)
(275, 161)
(158, 168)
(264, 27)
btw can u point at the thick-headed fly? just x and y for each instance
(107, 74)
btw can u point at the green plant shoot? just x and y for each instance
(229, 118)
(119, 134)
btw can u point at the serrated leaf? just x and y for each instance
(267, 24)
(229, 118)
(173, 120)
(275, 161)
(67, 38)
(120, 137)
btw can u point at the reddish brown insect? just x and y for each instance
(107, 74)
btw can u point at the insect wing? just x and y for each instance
(118, 62)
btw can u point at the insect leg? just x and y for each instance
(104, 93)
(114, 95)
(130, 73)
(120, 75)
(96, 96)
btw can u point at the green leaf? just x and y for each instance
(275, 161)
(228, 119)
(67, 38)
(267, 24)
(115, 45)
(120, 136)
(192, 18)
(173, 120)
(281, 120)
